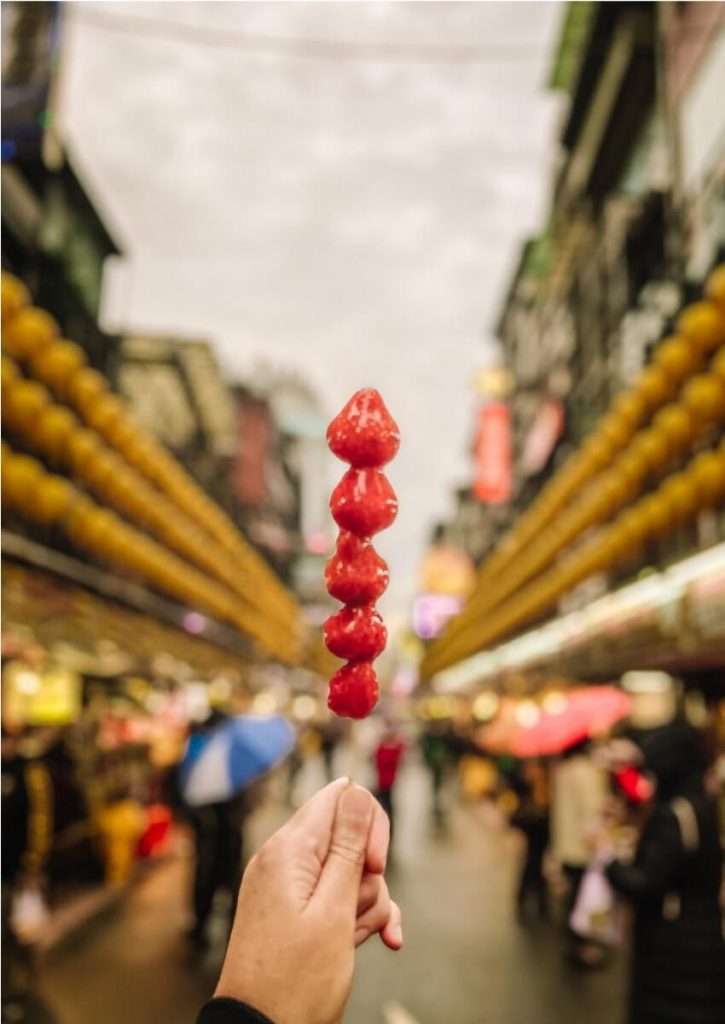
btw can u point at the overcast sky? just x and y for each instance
(353, 219)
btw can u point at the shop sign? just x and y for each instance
(493, 482)
(52, 697)
(542, 437)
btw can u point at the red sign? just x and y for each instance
(493, 454)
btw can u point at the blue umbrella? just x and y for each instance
(217, 764)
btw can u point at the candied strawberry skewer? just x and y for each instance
(365, 435)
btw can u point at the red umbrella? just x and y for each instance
(569, 718)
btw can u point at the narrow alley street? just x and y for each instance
(466, 959)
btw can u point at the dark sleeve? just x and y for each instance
(230, 1011)
(658, 860)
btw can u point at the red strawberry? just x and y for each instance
(356, 574)
(354, 690)
(364, 433)
(356, 634)
(364, 502)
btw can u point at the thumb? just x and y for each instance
(340, 878)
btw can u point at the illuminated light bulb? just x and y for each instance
(485, 706)
(527, 713)
(555, 703)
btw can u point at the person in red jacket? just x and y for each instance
(388, 757)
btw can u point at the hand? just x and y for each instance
(312, 893)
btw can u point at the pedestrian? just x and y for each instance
(531, 818)
(579, 793)
(218, 847)
(673, 884)
(329, 741)
(388, 757)
(436, 756)
(310, 896)
(27, 816)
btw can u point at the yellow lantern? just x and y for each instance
(52, 429)
(98, 467)
(630, 408)
(52, 499)
(707, 471)
(704, 396)
(596, 454)
(717, 366)
(715, 287)
(20, 478)
(82, 446)
(654, 386)
(14, 296)
(675, 422)
(85, 387)
(704, 324)
(616, 430)
(652, 445)
(633, 466)
(654, 513)
(103, 412)
(23, 404)
(56, 364)
(29, 331)
(120, 430)
(10, 374)
(678, 357)
(99, 524)
(680, 493)
(79, 512)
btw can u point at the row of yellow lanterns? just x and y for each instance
(55, 433)
(52, 500)
(31, 335)
(679, 498)
(701, 329)
(702, 405)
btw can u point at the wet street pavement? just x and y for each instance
(466, 960)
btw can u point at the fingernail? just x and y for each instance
(356, 802)
(397, 934)
(342, 778)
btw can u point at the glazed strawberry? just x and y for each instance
(353, 690)
(364, 502)
(356, 634)
(356, 574)
(364, 433)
